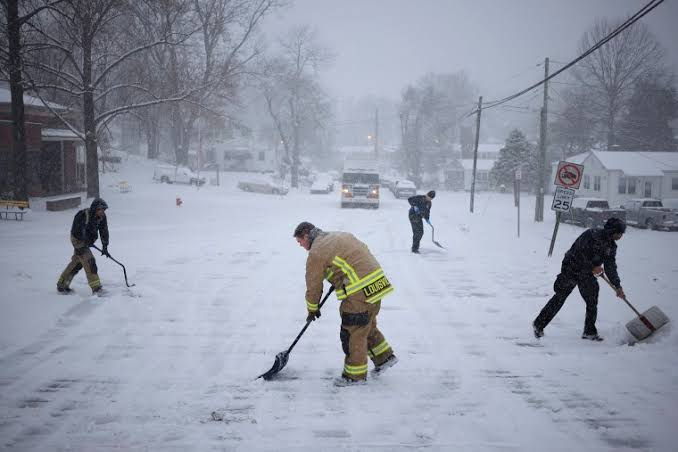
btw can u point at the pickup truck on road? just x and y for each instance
(650, 213)
(592, 212)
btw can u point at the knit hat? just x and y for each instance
(431, 194)
(615, 225)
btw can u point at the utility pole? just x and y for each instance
(541, 176)
(376, 133)
(475, 151)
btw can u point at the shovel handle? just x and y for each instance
(308, 322)
(607, 280)
(641, 316)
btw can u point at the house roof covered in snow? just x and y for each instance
(633, 163)
(59, 134)
(29, 101)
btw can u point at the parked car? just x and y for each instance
(592, 212)
(650, 213)
(404, 188)
(323, 184)
(271, 187)
(176, 175)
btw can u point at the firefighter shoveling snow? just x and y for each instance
(221, 289)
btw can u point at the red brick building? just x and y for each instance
(55, 155)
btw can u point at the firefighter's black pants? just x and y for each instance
(417, 230)
(564, 285)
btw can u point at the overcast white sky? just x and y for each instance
(381, 45)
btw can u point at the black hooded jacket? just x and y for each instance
(423, 204)
(87, 227)
(592, 248)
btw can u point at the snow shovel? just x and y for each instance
(433, 234)
(282, 357)
(646, 323)
(124, 272)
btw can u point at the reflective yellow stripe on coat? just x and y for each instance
(357, 284)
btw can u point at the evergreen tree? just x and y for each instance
(645, 126)
(517, 153)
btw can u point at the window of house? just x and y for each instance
(674, 183)
(262, 155)
(587, 182)
(622, 185)
(631, 185)
(596, 183)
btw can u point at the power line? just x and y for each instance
(630, 21)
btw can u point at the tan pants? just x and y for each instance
(82, 258)
(360, 336)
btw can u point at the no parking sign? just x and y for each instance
(569, 175)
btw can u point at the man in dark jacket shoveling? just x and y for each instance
(87, 225)
(593, 253)
(420, 208)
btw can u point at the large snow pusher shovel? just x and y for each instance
(646, 323)
(433, 236)
(124, 272)
(282, 357)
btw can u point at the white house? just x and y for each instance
(483, 168)
(241, 155)
(618, 176)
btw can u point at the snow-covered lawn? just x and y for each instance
(220, 290)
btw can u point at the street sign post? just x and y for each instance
(568, 179)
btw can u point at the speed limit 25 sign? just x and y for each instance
(562, 199)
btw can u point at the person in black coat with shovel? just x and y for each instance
(420, 208)
(593, 253)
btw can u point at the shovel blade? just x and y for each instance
(639, 327)
(280, 362)
(438, 245)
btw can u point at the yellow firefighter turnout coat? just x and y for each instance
(348, 265)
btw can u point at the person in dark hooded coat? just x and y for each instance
(593, 253)
(420, 208)
(88, 224)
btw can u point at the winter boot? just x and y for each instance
(345, 381)
(538, 332)
(390, 362)
(592, 337)
(99, 292)
(64, 290)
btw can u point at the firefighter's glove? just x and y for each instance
(312, 315)
(104, 251)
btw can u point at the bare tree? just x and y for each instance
(84, 57)
(429, 114)
(573, 130)
(12, 59)
(610, 73)
(227, 33)
(294, 98)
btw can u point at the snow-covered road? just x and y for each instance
(220, 290)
